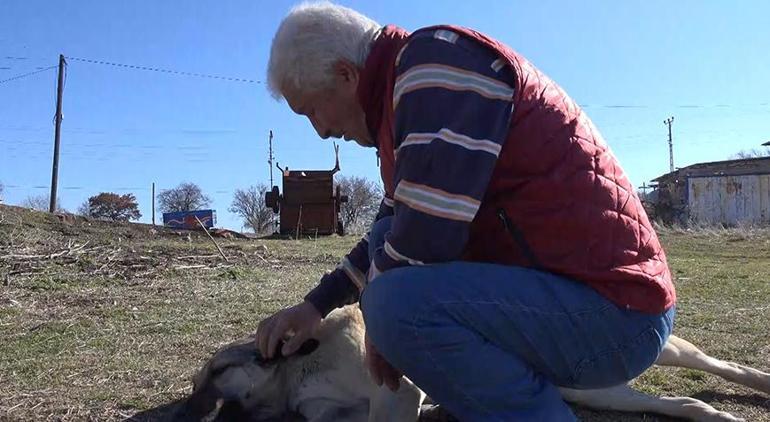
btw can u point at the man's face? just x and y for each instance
(334, 111)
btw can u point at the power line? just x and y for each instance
(696, 106)
(105, 188)
(157, 69)
(28, 74)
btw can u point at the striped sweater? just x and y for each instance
(452, 102)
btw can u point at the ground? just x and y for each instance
(100, 321)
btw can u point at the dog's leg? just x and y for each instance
(330, 410)
(336, 414)
(623, 398)
(402, 405)
(683, 354)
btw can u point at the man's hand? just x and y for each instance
(300, 320)
(380, 370)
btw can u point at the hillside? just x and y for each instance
(102, 320)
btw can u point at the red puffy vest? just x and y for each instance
(558, 199)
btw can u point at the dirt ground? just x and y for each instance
(100, 321)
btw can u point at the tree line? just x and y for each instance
(248, 204)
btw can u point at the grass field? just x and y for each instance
(99, 321)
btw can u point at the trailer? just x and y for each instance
(309, 204)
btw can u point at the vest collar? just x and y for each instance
(373, 79)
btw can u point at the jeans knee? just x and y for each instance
(388, 308)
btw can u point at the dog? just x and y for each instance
(326, 380)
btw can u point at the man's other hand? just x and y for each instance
(380, 370)
(300, 321)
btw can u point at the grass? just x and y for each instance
(101, 334)
(723, 289)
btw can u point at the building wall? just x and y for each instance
(729, 200)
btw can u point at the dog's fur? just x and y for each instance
(331, 383)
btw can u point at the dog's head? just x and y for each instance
(237, 383)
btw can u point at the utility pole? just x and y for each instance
(644, 188)
(270, 159)
(670, 143)
(153, 203)
(57, 135)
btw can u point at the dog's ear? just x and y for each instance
(307, 348)
(234, 354)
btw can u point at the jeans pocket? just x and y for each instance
(621, 364)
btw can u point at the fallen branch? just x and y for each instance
(195, 257)
(70, 250)
(188, 267)
(210, 237)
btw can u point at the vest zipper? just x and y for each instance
(518, 237)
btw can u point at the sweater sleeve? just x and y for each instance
(452, 102)
(343, 285)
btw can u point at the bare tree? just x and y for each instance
(249, 204)
(41, 203)
(2, 188)
(751, 153)
(363, 202)
(185, 197)
(84, 209)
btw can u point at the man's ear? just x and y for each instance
(346, 74)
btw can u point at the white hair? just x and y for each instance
(310, 39)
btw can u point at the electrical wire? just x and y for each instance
(28, 74)
(157, 69)
(219, 191)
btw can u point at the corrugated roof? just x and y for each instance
(738, 167)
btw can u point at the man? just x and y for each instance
(510, 253)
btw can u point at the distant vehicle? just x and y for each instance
(186, 219)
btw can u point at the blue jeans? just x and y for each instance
(491, 342)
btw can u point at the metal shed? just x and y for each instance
(723, 192)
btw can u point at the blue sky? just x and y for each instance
(631, 64)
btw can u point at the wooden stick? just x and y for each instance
(195, 257)
(299, 222)
(211, 237)
(188, 267)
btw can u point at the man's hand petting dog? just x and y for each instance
(380, 370)
(300, 322)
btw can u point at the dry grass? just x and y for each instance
(99, 321)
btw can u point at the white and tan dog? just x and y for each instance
(327, 381)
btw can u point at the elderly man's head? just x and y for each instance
(315, 63)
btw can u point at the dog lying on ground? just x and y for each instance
(327, 381)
